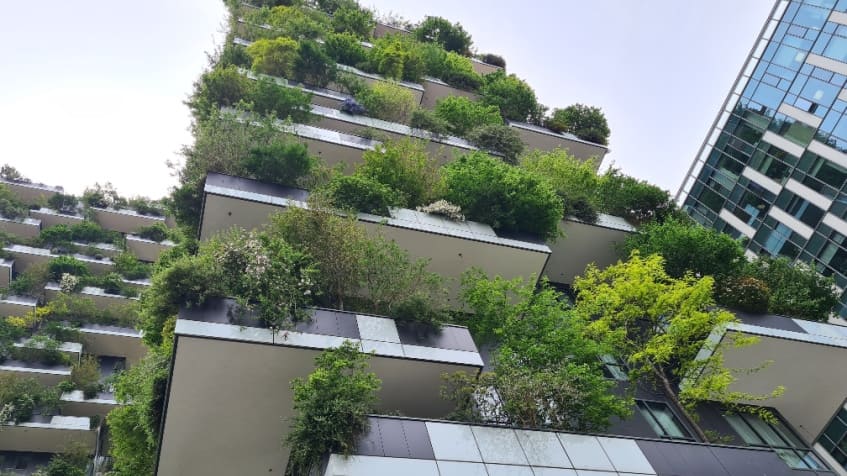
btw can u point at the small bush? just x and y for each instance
(330, 6)
(157, 232)
(445, 209)
(10, 206)
(19, 397)
(429, 121)
(283, 102)
(353, 19)
(463, 114)
(111, 283)
(388, 101)
(313, 66)
(42, 349)
(62, 203)
(69, 284)
(452, 37)
(222, 86)
(58, 235)
(297, 23)
(514, 97)
(360, 193)
(405, 167)
(397, 57)
(744, 293)
(279, 163)
(500, 139)
(494, 60)
(11, 174)
(459, 73)
(586, 122)
(56, 267)
(31, 282)
(129, 267)
(345, 48)
(85, 376)
(575, 181)
(275, 56)
(351, 106)
(90, 232)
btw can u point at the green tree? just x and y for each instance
(279, 163)
(220, 87)
(575, 181)
(508, 198)
(345, 48)
(388, 101)
(515, 98)
(464, 114)
(658, 325)
(500, 139)
(397, 57)
(298, 23)
(312, 65)
(586, 122)
(636, 200)
(688, 247)
(360, 194)
(451, 37)
(275, 56)
(331, 407)
(796, 290)
(353, 19)
(269, 98)
(404, 166)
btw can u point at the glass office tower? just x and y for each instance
(773, 169)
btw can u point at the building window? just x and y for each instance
(834, 438)
(757, 432)
(614, 368)
(663, 421)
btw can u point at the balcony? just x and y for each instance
(535, 137)
(29, 192)
(435, 89)
(452, 247)
(17, 305)
(6, 268)
(583, 244)
(124, 220)
(101, 299)
(75, 403)
(26, 256)
(147, 250)
(103, 340)
(22, 227)
(48, 434)
(48, 375)
(437, 448)
(51, 217)
(231, 374)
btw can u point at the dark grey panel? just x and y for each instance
(393, 438)
(770, 321)
(330, 323)
(420, 447)
(678, 459)
(740, 462)
(448, 337)
(370, 443)
(254, 186)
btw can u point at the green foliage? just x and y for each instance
(458, 72)
(515, 98)
(796, 289)
(360, 193)
(586, 122)
(43, 349)
(157, 232)
(283, 102)
(275, 56)
(11, 174)
(19, 397)
(221, 86)
(397, 57)
(102, 196)
(58, 266)
(73, 461)
(633, 199)
(508, 198)
(688, 247)
(493, 59)
(575, 181)
(429, 121)
(498, 138)
(312, 65)
(83, 232)
(451, 37)
(76, 309)
(744, 293)
(134, 425)
(85, 375)
(353, 19)
(130, 268)
(388, 101)
(279, 163)
(31, 282)
(406, 168)
(331, 407)
(10, 206)
(345, 48)
(297, 22)
(62, 203)
(658, 325)
(330, 6)
(464, 114)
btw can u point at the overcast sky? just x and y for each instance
(93, 90)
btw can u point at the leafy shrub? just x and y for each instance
(631, 198)
(297, 22)
(10, 206)
(345, 48)
(279, 163)
(128, 266)
(90, 232)
(498, 138)
(508, 198)
(102, 196)
(361, 194)
(145, 206)
(56, 267)
(514, 97)
(388, 101)
(85, 375)
(575, 181)
(69, 284)
(586, 122)
(397, 57)
(464, 114)
(744, 293)
(492, 59)
(72, 462)
(405, 167)
(797, 290)
(452, 37)
(275, 56)
(312, 65)
(19, 397)
(351, 106)
(222, 86)
(157, 232)
(55, 236)
(31, 282)
(331, 406)
(353, 19)
(330, 6)
(429, 121)
(283, 102)
(459, 73)
(443, 208)
(11, 174)
(43, 349)
(62, 203)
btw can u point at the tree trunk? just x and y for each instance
(680, 408)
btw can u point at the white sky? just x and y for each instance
(92, 90)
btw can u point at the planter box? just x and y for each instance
(416, 89)
(31, 192)
(71, 349)
(116, 341)
(124, 221)
(483, 68)
(381, 29)
(22, 227)
(17, 305)
(320, 96)
(51, 217)
(435, 89)
(48, 434)
(585, 243)
(147, 250)
(49, 375)
(26, 256)
(74, 403)
(7, 266)
(101, 298)
(535, 137)
(106, 249)
(442, 148)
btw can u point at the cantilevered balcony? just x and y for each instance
(75, 402)
(48, 434)
(101, 299)
(230, 392)
(436, 89)
(50, 217)
(26, 256)
(105, 340)
(30, 192)
(536, 137)
(22, 227)
(7, 267)
(452, 247)
(147, 250)
(124, 220)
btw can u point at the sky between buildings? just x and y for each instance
(93, 90)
